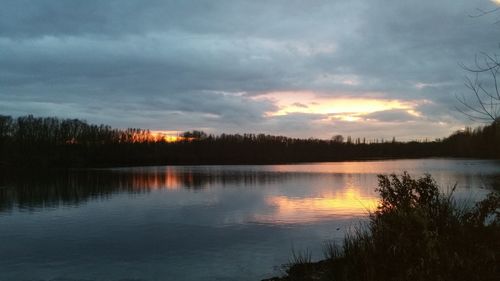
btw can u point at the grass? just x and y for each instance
(416, 233)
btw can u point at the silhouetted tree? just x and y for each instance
(54, 142)
(338, 138)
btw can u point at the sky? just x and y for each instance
(310, 68)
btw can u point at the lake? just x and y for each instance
(196, 222)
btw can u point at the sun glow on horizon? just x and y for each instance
(167, 136)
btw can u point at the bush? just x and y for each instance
(417, 233)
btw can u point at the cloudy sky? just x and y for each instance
(310, 68)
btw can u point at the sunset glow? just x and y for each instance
(167, 136)
(307, 71)
(249, 140)
(343, 108)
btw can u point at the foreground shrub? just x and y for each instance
(416, 233)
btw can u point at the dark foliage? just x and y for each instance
(63, 143)
(481, 142)
(416, 234)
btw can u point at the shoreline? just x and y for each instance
(9, 167)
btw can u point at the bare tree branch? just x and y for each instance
(482, 12)
(485, 105)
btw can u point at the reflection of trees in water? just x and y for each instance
(27, 191)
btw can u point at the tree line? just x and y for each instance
(55, 142)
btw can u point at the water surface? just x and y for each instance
(195, 222)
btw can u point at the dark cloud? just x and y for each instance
(396, 115)
(199, 64)
(298, 104)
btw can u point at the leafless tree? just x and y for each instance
(484, 102)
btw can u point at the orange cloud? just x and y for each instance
(343, 108)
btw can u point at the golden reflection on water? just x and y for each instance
(167, 178)
(321, 197)
(334, 196)
(304, 193)
(349, 202)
